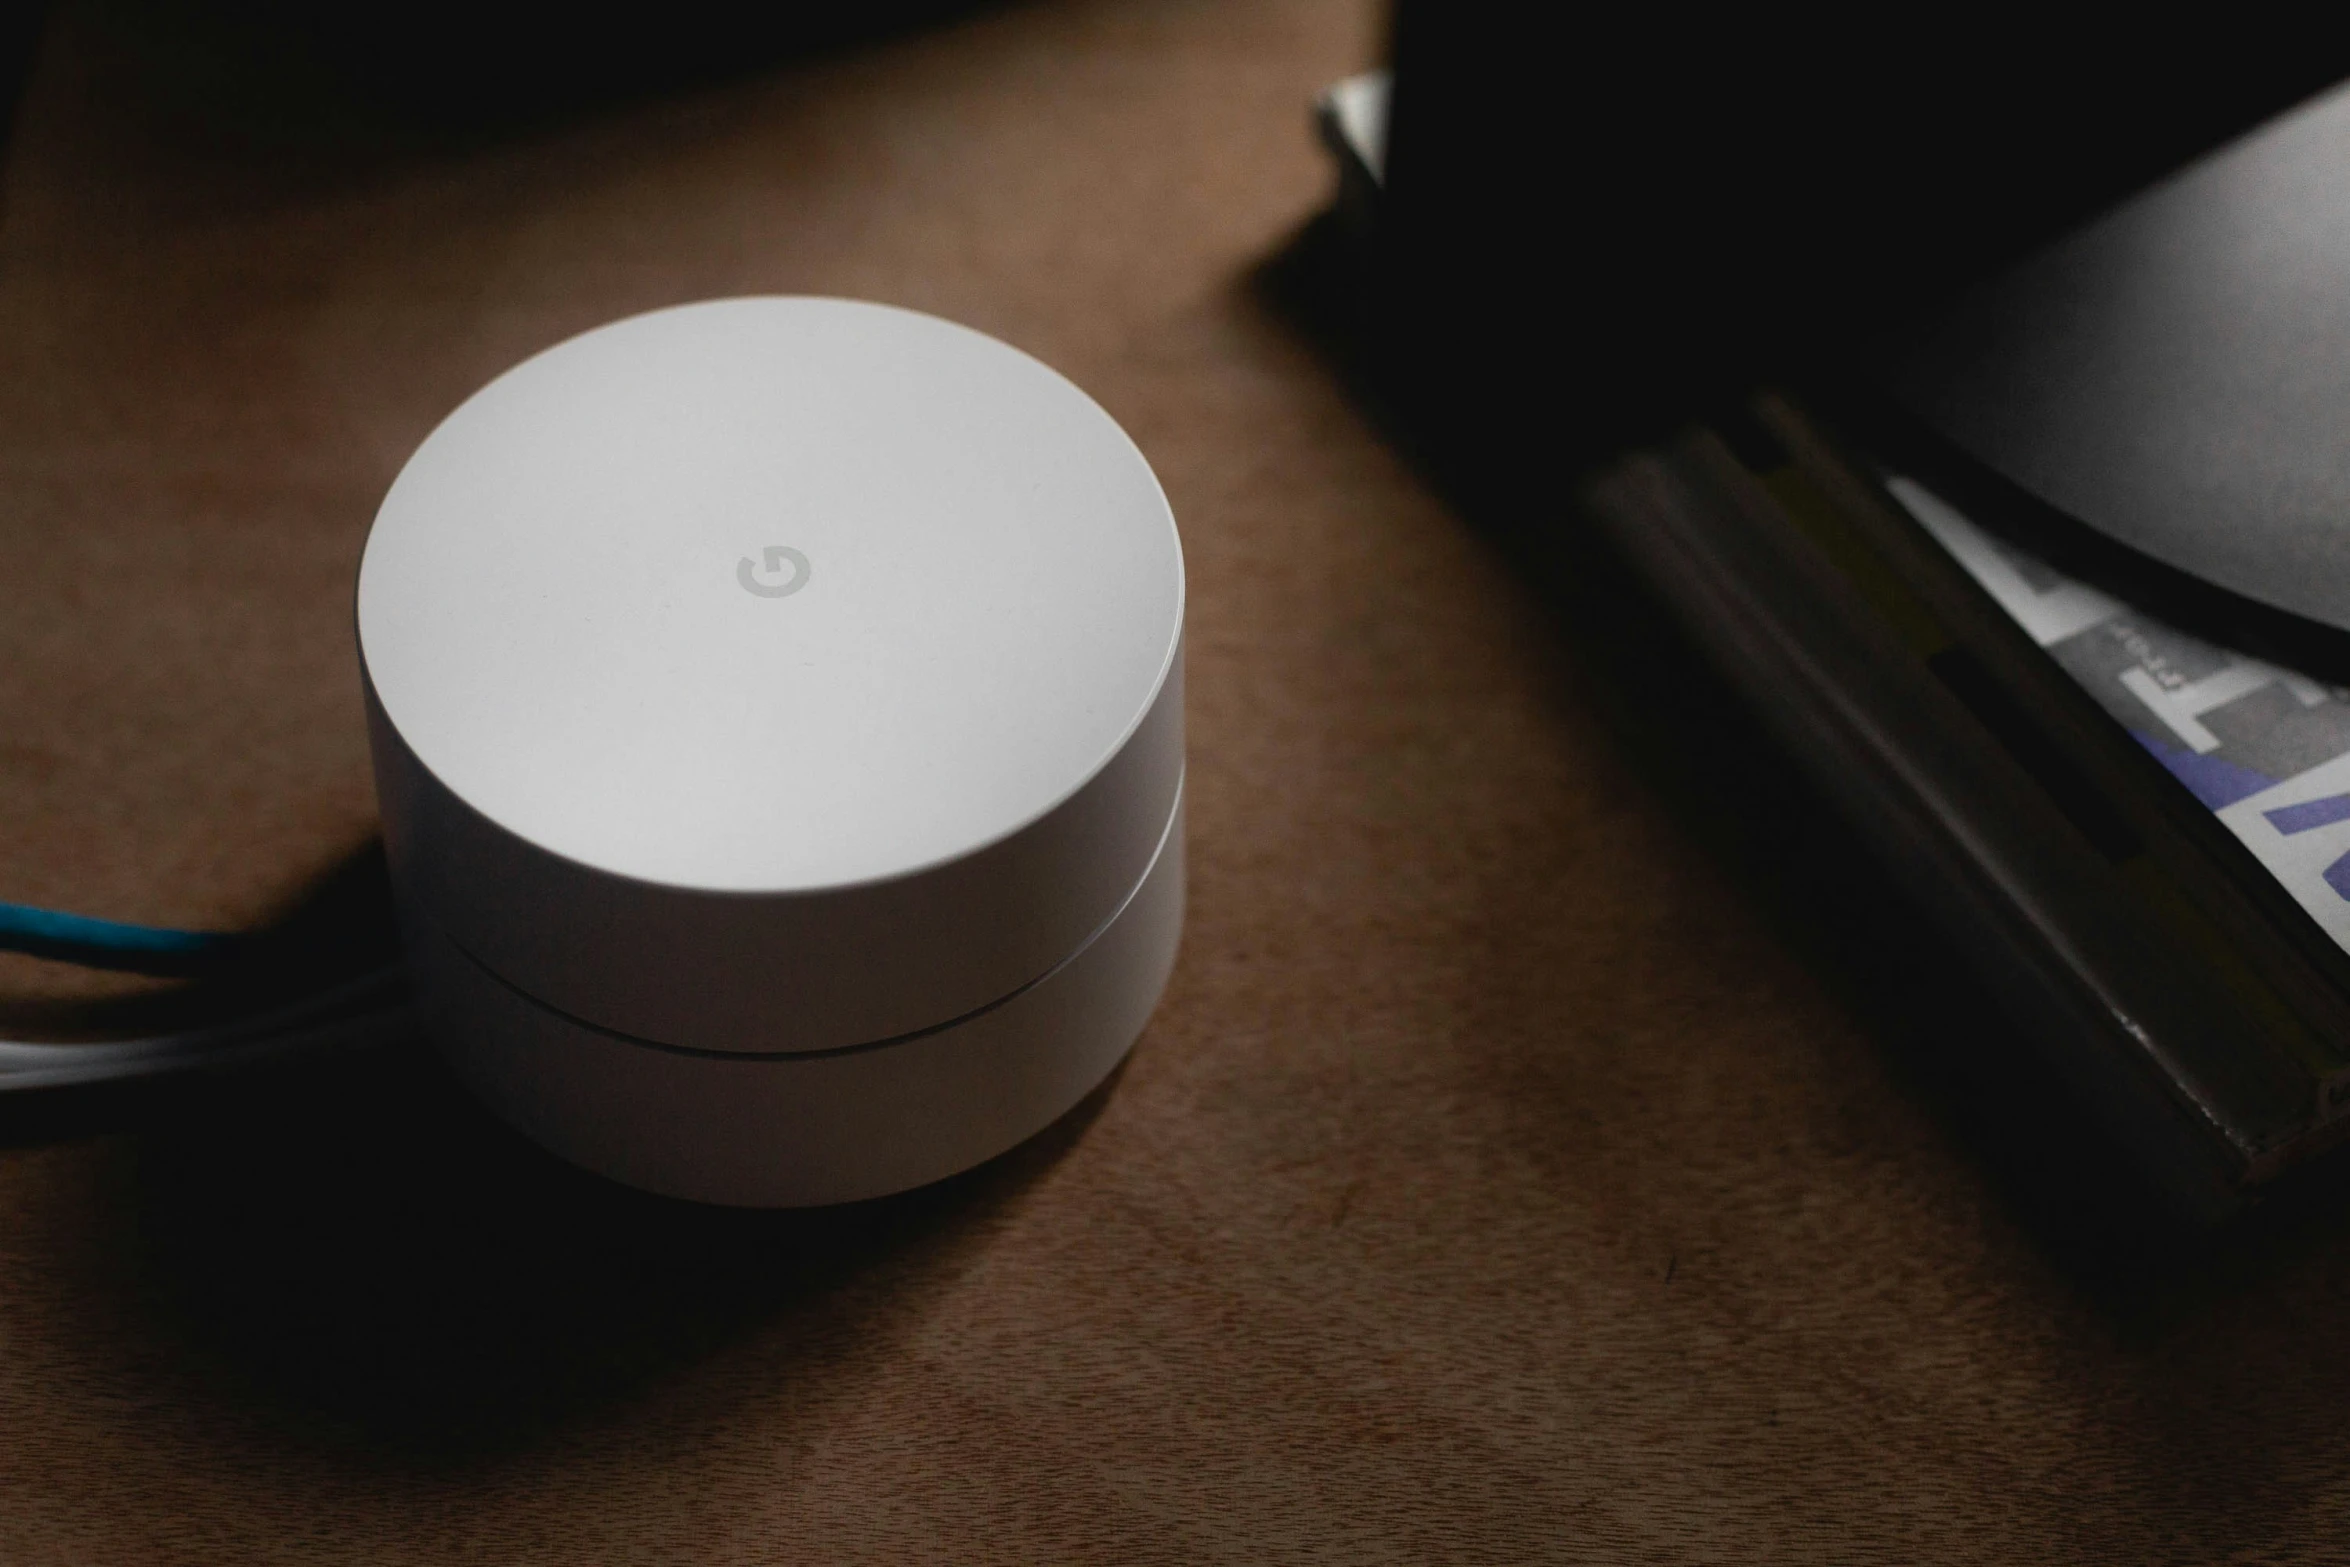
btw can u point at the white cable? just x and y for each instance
(363, 1011)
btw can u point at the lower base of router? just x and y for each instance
(782, 1131)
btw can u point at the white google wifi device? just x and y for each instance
(777, 715)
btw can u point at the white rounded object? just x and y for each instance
(771, 681)
(830, 1126)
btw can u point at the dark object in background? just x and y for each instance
(21, 22)
(1599, 221)
(1591, 247)
(497, 61)
(305, 85)
(2176, 376)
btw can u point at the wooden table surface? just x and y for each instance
(1550, 1145)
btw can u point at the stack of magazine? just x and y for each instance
(2136, 833)
(2140, 838)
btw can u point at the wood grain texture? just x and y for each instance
(1545, 1150)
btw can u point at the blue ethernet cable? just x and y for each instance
(110, 944)
(369, 1010)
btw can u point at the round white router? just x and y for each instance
(777, 711)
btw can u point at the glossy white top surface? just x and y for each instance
(769, 595)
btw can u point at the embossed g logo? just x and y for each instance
(778, 556)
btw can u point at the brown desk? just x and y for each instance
(1534, 1156)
